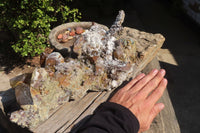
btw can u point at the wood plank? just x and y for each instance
(84, 116)
(166, 121)
(66, 113)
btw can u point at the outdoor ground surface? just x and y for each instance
(180, 55)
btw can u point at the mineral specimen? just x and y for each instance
(98, 59)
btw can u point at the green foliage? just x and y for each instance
(31, 21)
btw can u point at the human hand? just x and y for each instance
(140, 96)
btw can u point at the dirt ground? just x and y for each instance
(180, 54)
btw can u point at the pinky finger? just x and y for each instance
(155, 111)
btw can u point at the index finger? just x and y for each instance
(141, 83)
(133, 81)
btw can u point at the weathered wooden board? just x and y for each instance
(166, 121)
(67, 114)
(99, 100)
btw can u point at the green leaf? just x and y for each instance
(31, 21)
(50, 8)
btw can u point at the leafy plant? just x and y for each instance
(31, 21)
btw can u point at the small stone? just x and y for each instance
(60, 36)
(67, 32)
(53, 59)
(70, 37)
(38, 75)
(24, 78)
(79, 30)
(72, 33)
(65, 38)
(23, 95)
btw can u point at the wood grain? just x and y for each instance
(67, 114)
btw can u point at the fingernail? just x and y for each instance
(162, 71)
(162, 106)
(155, 71)
(165, 80)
